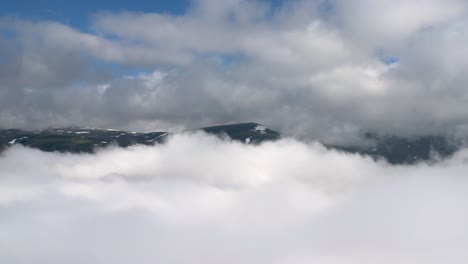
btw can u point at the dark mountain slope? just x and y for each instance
(245, 132)
(77, 140)
(406, 150)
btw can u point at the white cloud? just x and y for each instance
(202, 200)
(307, 68)
(390, 23)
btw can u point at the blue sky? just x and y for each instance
(77, 13)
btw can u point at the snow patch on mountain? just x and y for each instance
(260, 128)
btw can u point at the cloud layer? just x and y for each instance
(199, 199)
(319, 69)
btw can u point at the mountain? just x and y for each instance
(86, 140)
(246, 132)
(76, 139)
(398, 150)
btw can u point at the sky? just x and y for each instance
(79, 13)
(331, 70)
(327, 70)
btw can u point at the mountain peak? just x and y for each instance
(245, 132)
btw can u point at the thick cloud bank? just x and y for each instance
(198, 199)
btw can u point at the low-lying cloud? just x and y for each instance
(200, 199)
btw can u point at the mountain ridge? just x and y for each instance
(76, 139)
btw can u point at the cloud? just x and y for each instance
(389, 23)
(199, 199)
(329, 70)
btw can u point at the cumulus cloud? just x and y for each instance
(330, 70)
(199, 199)
(389, 23)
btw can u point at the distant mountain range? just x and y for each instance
(86, 140)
